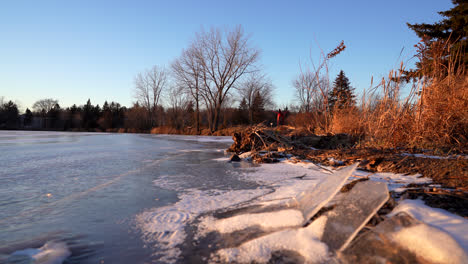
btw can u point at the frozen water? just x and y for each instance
(312, 200)
(352, 210)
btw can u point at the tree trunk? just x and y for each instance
(197, 116)
(216, 117)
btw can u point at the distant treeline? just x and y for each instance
(112, 117)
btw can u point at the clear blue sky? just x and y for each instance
(75, 50)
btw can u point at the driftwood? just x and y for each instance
(261, 137)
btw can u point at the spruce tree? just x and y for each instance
(454, 28)
(257, 109)
(28, 116)
(242, 112)
(341, 96)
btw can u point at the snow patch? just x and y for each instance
(278, 219)
(222, 159)
(430, 243)
(395, 181)
(435, 157)
(51, 253)
(305, 241)
(454, 225)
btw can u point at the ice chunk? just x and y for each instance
(352, 211)
(312, 200)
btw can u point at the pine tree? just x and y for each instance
(258, 108)
(454, 27)
(28, 116)
(241, 114)
(9, 115)
(342, 95)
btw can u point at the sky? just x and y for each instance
(75, 50)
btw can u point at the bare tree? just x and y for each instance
(187, 72)
(44, 105)
(256, 85)
(224, 58)
(309, 88)
(149, 86)
(177, 102)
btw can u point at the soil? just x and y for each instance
(449, 189)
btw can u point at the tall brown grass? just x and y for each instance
(430, 112)
(433, 114)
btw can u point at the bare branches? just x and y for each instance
(45, 105)
(256, 85)
(149, 86)
(187, 72)
(224, 58)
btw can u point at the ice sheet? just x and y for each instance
(352, 211)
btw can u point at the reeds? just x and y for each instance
(429, 112)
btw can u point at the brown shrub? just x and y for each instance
(347, 120)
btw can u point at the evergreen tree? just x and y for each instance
(341, 96)
(454, 27)
(9, 115)
(257, 111)
(53, 116)
(241, 114)
(88, 115)
(28, 117)
(105, 121)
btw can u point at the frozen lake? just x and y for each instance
(90, 190)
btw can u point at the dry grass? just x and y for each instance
(432, 114)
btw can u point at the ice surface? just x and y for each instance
(280, 184)
(312, 200)
(224, 139)
(454, 225)
(165, 225)
(305, 241)
(51, 253)
(352, 211)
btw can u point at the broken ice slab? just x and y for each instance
(404, 239)
(311, 201)
(352, 210)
